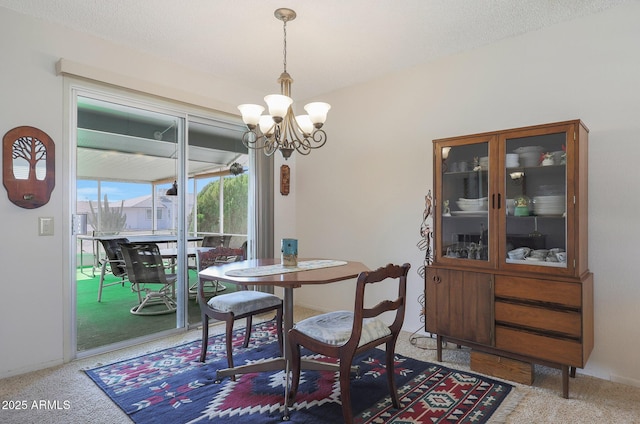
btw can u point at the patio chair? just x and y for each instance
(114, 263)
(147, 273)
(344, 334)
(230, 307)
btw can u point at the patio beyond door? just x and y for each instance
(150, 172)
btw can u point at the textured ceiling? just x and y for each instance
(331, 44)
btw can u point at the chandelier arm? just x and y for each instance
(319, 137)
(311, 142)
(252, 140)
(296, 136)
(270, 147)
(287, 137)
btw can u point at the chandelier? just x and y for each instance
(281, 129)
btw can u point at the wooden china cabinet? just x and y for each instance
(510, 275)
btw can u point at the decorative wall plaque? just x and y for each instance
(285, 178)
(28, 166)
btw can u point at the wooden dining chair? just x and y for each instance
(147, 273)
(230, 307)
(113, 262)
(344, 334)
(216, 241)
(214, 287)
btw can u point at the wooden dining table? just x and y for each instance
(247, 273)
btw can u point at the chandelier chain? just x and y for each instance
(284, 30)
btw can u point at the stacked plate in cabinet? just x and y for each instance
(512, 160)
(529, 155)
(473, 205)
(549, 205)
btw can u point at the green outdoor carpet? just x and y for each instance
(109, 321)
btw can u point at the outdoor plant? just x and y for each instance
(107, 220)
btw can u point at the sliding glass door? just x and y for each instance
(148, 172)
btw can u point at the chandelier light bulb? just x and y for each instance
(278, 105)
(305, 124)
(267, 125)
(251, 114)
(317, 112)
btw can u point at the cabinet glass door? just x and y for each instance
(464, 202)
(535, 187)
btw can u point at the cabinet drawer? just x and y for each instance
(564, 322)
(533, 289)
(557, 350)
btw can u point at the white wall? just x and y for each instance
(35, 300)
(31, 302)
(377, 167)
(361, 196)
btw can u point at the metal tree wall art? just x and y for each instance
(28, 166)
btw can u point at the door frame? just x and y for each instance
(76, 87)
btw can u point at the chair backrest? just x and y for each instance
(397, 272)
(216, 241)
(208, 256)
(144, 263)
(114, 255)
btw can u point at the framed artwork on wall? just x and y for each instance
(285, 179)
(28, 166)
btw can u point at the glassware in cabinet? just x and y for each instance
(463, 201)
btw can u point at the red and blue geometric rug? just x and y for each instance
(171, 386)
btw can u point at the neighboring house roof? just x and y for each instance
(82, 206)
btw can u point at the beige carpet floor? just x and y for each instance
(70, 397)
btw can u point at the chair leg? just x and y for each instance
(345, 390)
(205, 337)
(391, 375)
(102, 272)
(229, 344)
(247, 332)
(279, 330)
(295, 372)
(135, 287)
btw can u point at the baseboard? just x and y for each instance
(625, 380)
(313, 307)
(31, 368)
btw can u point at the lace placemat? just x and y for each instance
(260, 271)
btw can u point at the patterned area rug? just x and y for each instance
(171, 386)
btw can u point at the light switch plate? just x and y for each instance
(45, 226)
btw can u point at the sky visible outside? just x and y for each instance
(88, 190)
(116, 191)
